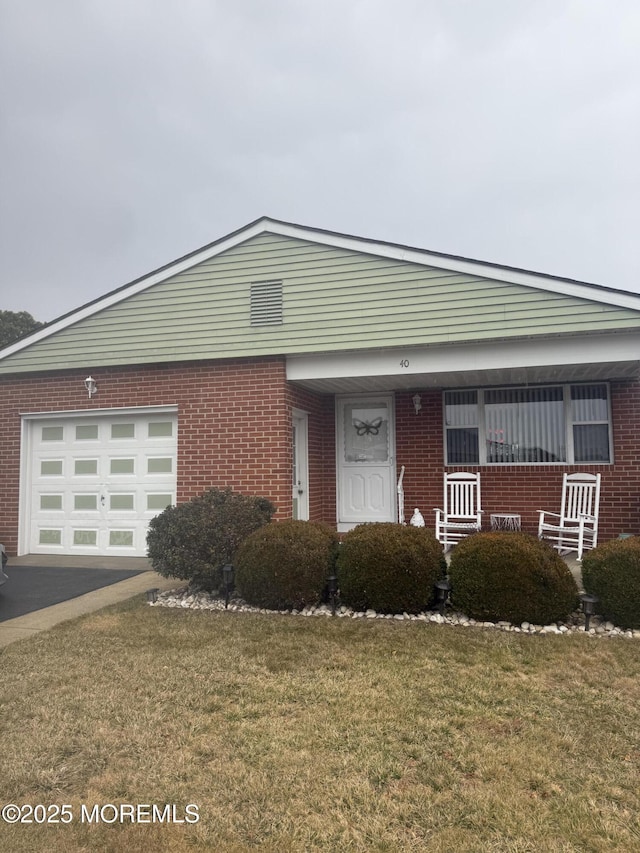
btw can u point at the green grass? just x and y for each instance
(298, 734)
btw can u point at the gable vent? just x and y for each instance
(266, 303)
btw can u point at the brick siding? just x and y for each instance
(522, 489)
(234, 424)
(234, 429)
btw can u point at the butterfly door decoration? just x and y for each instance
(367, 427)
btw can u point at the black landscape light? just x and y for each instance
(227, 576)
(443, 588)
(588, 602)
(332, 587)
(152, 595)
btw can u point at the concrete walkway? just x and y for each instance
(41, 620)
(576, 569)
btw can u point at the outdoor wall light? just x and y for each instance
(588, 607)
(443, 588)
(228, 580)
(152, 595)
(332, 587)
(91, 385)
(417, 402)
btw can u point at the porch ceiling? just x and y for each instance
(589, 372)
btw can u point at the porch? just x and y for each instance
(520, 411)
(359, 444)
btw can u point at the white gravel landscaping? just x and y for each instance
(574, 624)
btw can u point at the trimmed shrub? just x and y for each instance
(512, 577)
(612, 572)
(192, 541)
(285, 565)
(389, 568)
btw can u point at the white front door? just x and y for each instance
(300, 472)
(366, 464)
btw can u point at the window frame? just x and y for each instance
(569, 425)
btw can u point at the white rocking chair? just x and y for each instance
(575, 528)
(462, 513)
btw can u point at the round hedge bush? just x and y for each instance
(193, 540)
(389, 568)
(285, 565)
(512, 577)
(612, 572)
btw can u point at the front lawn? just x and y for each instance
(300, 734)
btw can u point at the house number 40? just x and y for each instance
(404, 362)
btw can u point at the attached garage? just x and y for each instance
(366, 357)
(91, 481)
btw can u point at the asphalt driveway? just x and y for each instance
(31, 588)
(45, 590)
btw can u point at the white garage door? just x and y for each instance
(96, 481)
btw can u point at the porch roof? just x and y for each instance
(530, 361)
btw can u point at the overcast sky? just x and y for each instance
(135, 131)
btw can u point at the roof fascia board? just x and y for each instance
(480, 269)
(138, 286)
(487, 355)
(392, 251)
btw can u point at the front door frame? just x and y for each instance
(300, 473)
(341, 401)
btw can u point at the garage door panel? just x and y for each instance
(96, 484)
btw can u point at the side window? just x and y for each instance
(590, 415)
(461, 427)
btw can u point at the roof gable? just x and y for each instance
(339, 293)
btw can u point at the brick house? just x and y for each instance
(310, 367)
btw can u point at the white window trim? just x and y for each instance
(568, 425)
(116, 411)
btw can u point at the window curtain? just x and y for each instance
(525, 425)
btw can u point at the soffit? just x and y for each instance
(592, 372)
(531, 361)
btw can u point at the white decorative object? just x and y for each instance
(417, 402)
(505, 521)
(417, 519)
